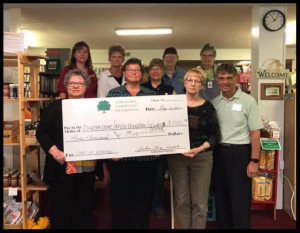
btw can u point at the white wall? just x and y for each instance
(99, 57)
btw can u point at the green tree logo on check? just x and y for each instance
(103, 106)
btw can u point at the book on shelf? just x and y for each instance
(48, 83)
(27, 90)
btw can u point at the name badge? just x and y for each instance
(237, 107)
(209, 84)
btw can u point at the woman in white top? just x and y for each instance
(112, 77)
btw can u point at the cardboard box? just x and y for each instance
(13, 42)
(30, 139)
(10, 131)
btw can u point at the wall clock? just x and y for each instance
(274, 20)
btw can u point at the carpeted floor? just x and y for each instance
(260, 219)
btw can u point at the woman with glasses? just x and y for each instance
(191, 171)
(155, 83)
(71, 183)
(131, 178)
(211, 90)
(80, 59)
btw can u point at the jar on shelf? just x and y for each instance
(14, 181)
(11, 90)
(6, 180)
(28, 180)
(13, 171)
(20, 182)
(16, 91)
(6, 91)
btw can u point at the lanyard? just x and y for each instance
(212, 70)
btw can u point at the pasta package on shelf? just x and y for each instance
(272, 129)
(266, 159)
(262, 159)
(269, 189)
(262, 186)
(270, 161)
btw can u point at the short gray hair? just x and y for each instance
(208, 47)
(84, 75)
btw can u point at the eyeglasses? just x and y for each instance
(190, 81)
(79, 84)
(207, 56)
(171, 56)
(133, 70)
(229, 79)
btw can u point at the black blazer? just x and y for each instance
(50, 132)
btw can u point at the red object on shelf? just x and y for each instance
(245, 77)
(262, 205)
(27, 114)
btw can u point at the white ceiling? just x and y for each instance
(62, 25)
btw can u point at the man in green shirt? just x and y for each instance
(236, 159)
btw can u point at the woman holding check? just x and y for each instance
(132, 178)
(191, 171)
(71, 183)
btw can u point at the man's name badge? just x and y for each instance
(237, 107)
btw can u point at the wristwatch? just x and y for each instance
(255, 160)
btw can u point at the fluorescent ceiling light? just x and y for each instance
(143, 31)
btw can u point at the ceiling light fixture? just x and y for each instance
(143, 31)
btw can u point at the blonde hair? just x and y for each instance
(199, 72)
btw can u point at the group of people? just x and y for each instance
(224, 130)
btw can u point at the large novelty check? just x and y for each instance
(100, 128)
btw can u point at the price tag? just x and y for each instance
(270, 144)
(12, 191)
(276, 134)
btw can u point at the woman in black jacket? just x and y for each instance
(71, 183)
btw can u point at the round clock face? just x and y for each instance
(274, 20)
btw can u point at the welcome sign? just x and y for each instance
(273, 74)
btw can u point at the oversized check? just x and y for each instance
(101, 128)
